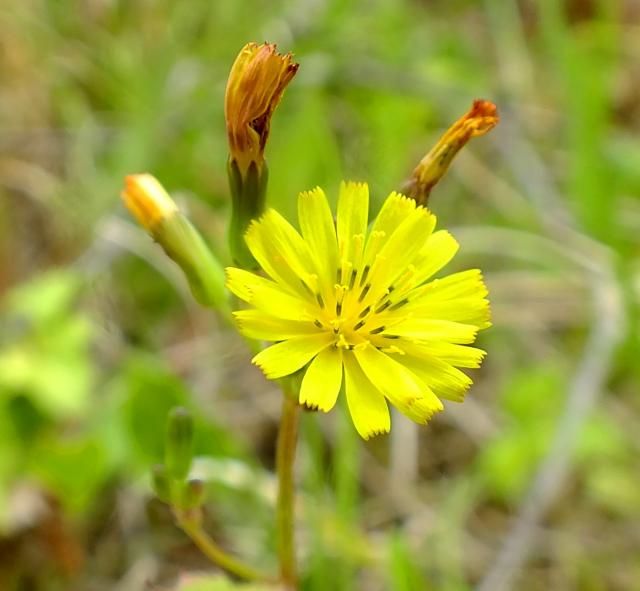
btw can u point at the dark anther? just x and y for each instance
(365, 274)
(306, 286)
(364, 292)
(320, 300)
(364, 312)
(317, 323)
(352, 280)
(391, 336)
(359, 325)
(338, 308)
(338, 275)
(399, 304)
(383, 307)
(377, 330)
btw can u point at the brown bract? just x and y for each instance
(480, 119)
(256, 83)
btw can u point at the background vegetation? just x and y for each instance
(531, 484)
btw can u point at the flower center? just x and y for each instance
(356, 315)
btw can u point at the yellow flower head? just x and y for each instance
(147, 200)
(357, 305)
(481, 118)
(256, 83)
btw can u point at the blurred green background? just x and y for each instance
(532, 483)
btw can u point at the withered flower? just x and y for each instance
(480, 119)
(256, 83)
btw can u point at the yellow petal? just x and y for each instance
(281, 251)
(474, 311)
(428, 329)
(463, 284)
(404, 390)
(460, 297)
(445, 380)
(287, 357)
(367, 405)
(394, 211)
(266, 295)
(399, 251)
(256, 324)
(318, 230)
(353, 212)
(457, 355)
(322, 380)
(437, 251)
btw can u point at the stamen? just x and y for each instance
(359, 325)
(352, 280)
(320, 300)
(338, 274)
(365, 312)
(383, 307)
(399, 304)
(364, 292)
(365, 273)
(304, 284)
(391, 336)
(338, 308)
(377, 330)
(318, 323)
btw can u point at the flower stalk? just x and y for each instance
(285, 509)
(189, 523)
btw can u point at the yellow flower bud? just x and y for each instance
(147, 200)
(256, 83)
(480, 119)
(158, 214)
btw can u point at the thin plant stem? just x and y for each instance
(285, 521)
(191, 526)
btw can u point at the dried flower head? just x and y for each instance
(480, 119)
(256, 83)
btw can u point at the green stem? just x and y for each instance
(191, 526)
(285, 522)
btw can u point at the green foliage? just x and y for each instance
(531, 402)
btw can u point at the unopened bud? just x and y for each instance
(154, 209)
(160, 483)
(179, 443)
(193, 494)
(147, 200)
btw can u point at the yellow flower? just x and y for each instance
(147, 200)
(256, 83)
(346, 302)
(480, 119)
